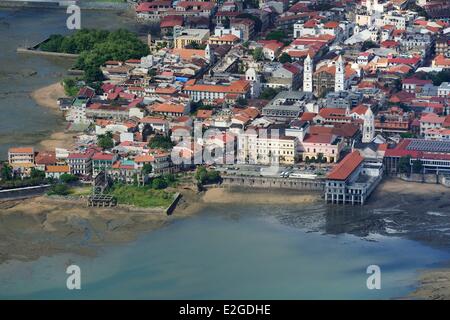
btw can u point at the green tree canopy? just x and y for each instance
(147, 168)
(284, 57)
(160, 142)
(95, 47)
(37, 174)
(6, 171)
(68, 178)
(278, 35)
(60, 189)
(258, 54)
(105, 141)
(417, 166)
(159, 183)
(268, 93)
(404, 165)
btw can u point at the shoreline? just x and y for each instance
(47, 97)
(65, 221)
(433, 284)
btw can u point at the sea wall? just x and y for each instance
(47, 53)
(21, 193)
(427, 178)
(274, 182)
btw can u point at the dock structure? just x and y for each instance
(101, 200)
(98, 198)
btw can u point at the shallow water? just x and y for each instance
(231, 252)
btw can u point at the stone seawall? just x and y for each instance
(22, 193)
(274, 182)
(427, 178)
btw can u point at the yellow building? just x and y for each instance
(260, 148)
(21, 159)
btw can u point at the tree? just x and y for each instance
(95, 47)
(68, 178)
(70, 87)
(368, 44)
(241, 101)
(436, 77)
(159, 183)
(407, 135)
(213, 176)
(160, 142)
(169, 178)
(275, 35)
(404, 165)
(37, 174)
(6, 172)
(258, 54)
(417, 166)
(92, 74)
(204, 176)
(284, 57)
(147, 168)
(268, 93)
(59, 189)
(105, 141)
(201, 175)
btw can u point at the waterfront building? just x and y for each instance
(21, 159)
(434, 155)
(80, 163)
(352, 180)
(55, 172)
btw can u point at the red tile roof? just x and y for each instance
(21, 150)
(346, 167)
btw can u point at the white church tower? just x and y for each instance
(339, 79)
(252, 76)
(369, 126)
(308, 74)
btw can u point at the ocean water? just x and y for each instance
(230, 252)
(22, 121)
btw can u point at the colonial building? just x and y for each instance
(267, 147)
(21, 159)
(352, 180)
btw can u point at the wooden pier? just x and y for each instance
(101, 200)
